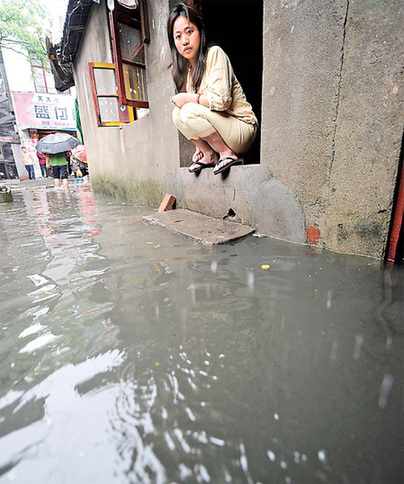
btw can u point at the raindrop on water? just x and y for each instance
(329, 299)
(216, 441)
(169, 441)
(191, 416)
(250, 280)
(192, 384)
(358, 346)
(385, 389)
(271, 455)
(203, 473)
(184, 471)
(321, 455)
(243, 458)
(213, 266)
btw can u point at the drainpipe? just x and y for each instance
(397, 220)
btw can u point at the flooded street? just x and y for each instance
(133, 355)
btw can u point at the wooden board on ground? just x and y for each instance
(201, 228)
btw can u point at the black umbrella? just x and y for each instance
(56, 143)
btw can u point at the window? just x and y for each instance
(43, 80)
(133, 64)
(38, 73)
(109, 110)
(129, 34)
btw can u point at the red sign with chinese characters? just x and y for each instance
(44, 111)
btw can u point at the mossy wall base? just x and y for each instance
(144, 192)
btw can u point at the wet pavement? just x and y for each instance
(131, 354)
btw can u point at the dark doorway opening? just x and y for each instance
(236, 26)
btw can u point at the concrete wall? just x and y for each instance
(330, 132)
(369, 129)
(332, 123)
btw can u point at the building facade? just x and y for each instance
(37, 107)
(324, 78)
(8, 135)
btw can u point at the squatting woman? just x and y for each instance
(211, 109)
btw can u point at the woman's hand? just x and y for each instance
(183, 98)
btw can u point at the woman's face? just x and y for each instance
(187, 39)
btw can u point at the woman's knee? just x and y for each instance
(176, 115)
(181, 116)
(191, 111)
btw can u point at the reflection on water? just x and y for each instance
(129, 354)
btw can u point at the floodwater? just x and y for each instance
(133, 355)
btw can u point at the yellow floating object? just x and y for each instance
(265, 267)
(157, 363)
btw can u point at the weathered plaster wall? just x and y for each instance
(132, 160)
(369, 127)
(332, 114)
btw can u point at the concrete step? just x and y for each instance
(201, 228)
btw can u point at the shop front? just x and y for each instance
(38, 115)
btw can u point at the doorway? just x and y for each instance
(236, 26)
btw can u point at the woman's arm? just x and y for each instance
(218, 91)
(184, 97)
(219, 80)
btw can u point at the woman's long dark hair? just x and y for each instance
(179, 64)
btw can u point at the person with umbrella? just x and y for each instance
(58, 164)
(79, 164)
(55, 146)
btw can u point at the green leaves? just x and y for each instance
(21, 27)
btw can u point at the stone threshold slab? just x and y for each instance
(201, 228)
